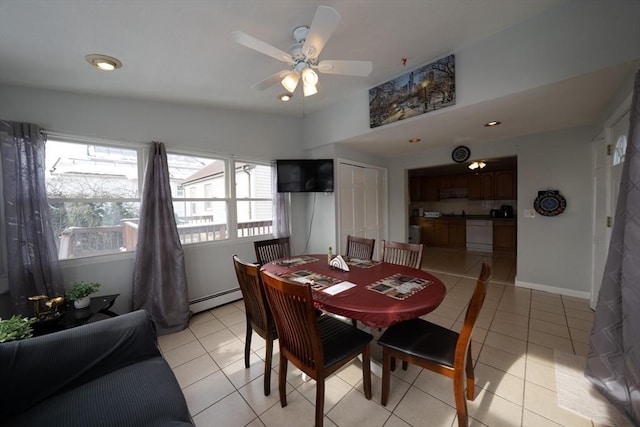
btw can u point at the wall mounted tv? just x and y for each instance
(304, 175)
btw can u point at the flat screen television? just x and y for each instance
(304, 175)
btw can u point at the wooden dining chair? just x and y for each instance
(360, 247)
(407, 254)
(258, 314)
(317, 345)
(272, 249)
(436, 348)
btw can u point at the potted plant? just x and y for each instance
(80, 291)
(16, 328)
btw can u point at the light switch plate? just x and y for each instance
(529, 213)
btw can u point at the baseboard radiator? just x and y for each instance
(208, 302)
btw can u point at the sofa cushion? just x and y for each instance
(145, 393)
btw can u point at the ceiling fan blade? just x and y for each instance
(270, 81)
(322, 27)
(348, 68)
(258, 45)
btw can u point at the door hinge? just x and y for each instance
(609, 222)
(609, 149)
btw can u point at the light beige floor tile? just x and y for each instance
(218, 339)
(335, 390)
(437, 385)
(543, 402)
(298, 412)
(556, 318)
(184, 353)
(200, 318)
(580, 314)
(493, 410)
(581, 348)
(419, 408)
(209, 390)
(506, 343)
(171, 341)
(394, 421)
(540, 354)
(531, 419)
(232, 411)
(509, 329)
(514, 319)
(578, 335)
(239, 375)
(499, 382)
(505, 361)
(207, 327)
(253, 393)
(541, 374)
(549, 328)
(224, 310)
(550, 341)
(584, 325)
(228, 354)
(195, 370)
(355, 410)
(232, 318)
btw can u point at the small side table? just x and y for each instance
(78, 316)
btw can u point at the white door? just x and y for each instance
(362, 203)
(608, 173)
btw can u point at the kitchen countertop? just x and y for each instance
(478, 217)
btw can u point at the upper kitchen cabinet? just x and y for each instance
(499, 185)
(504, 185)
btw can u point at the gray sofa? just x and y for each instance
(108, 373)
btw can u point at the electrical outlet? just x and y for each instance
(529, 213)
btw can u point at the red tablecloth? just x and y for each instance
(369, 307)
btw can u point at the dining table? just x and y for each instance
(377, 294)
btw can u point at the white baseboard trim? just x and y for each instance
(553, 289)
(211, 301)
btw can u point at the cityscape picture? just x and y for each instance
(427, 88)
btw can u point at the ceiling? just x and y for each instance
(182, 51)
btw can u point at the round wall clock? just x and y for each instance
(549, 203)
(460, 154)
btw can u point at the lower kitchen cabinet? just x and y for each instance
(504, 235)
(457, 233)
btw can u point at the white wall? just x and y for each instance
(206, 130)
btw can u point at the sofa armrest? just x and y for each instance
(33, 369)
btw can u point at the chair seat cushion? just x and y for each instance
(339, 339)
(422, 339)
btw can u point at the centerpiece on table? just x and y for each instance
(80, 291)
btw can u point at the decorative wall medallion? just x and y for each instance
(549, 203)
(460, 154)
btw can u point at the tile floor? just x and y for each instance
(512, 348)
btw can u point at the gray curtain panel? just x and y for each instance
(159, 275)
(613, 363)
(280, 225)
(32, 256)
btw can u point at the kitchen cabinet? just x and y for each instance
(504, 235)
(457, 233)
(504, 185)
(415, 188)
(480, 186)
(441, 233)
(430, 191)
(434, 231)
(427, 231)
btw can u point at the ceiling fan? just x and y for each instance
(302, 57)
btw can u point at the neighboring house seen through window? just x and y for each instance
(94, 195)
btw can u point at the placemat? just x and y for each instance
(294, 262)
(362, 263)
(399, 286)
(317, 281)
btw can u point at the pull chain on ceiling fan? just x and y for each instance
(302, 57)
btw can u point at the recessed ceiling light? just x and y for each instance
(284, 97)
(103, 62)
(415, 140)
(492, 123)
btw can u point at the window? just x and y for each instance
(620, 150)
(94, 197)
(254, 199)
(94, 192)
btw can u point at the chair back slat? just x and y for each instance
(360, 247)
(295, 317)
(407, 254)
(255, 299)
(272, 249)
(473, 310)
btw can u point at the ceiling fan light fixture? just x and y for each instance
(477, 165)
(290, 81)
(308, 89)
(103, 62)
(309, 77)
(284, 97)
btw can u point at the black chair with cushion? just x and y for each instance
(258, 315)
(407, 254)
(272, 249)
(318, 346)
(360, 247)
(436, 348)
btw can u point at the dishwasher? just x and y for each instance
(480, 235)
